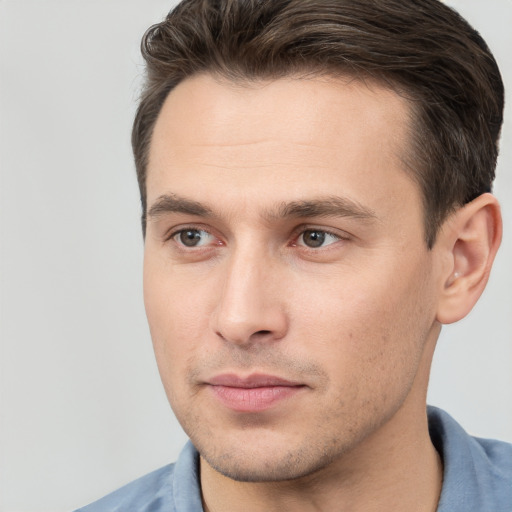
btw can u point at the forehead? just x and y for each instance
(320, 132)
(304, 106)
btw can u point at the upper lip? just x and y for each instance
(256, 380)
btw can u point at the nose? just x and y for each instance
(251, 305)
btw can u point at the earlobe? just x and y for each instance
(470, 239)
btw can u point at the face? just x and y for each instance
(289, 291)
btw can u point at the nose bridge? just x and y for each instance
(249, 306)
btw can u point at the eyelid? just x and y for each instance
(176, 230)
(327, 240)
(299, 230)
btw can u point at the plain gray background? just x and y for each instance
(81, 406)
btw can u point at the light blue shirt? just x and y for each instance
(477, 477)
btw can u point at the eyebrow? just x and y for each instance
(172, 203)
(329, 206)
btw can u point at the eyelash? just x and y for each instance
(300, 231)
(175, 232)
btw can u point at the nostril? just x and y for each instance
(254, 336)
(262, 333)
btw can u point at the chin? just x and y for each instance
(269, 465)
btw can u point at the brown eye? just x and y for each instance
(316, 238)
(193, 237)
(313, 238)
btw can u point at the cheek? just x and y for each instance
(177, 315)
(369, 332)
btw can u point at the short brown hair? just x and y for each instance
(422, 49)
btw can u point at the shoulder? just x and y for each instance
(496, 456)
(172, 488)
(477, 472)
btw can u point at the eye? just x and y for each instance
(315, 238)
(193, 237)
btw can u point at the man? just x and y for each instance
(315, 178)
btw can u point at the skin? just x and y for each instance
(342, 297)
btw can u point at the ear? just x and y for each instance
(469, 240)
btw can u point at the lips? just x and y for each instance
(254, 393)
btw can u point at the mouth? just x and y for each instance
(254, 393)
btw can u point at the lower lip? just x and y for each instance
(253, 399)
